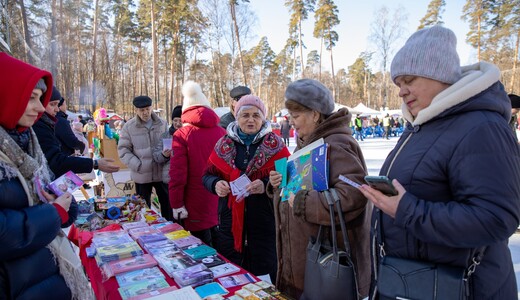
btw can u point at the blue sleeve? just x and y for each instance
(484, 177)
(26, 230)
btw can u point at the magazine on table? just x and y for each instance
(133, 277)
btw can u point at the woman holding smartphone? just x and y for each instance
(311, 106)
(456, 167)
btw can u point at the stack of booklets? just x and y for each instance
(171, 260)
(119, 251)
(131, 225)
(150, 238)
(195, 275)
(143, 287)
(128, 264)
(167, 227)
(138, 276)
(135, 233)
(110, 238)
(175, 235)
(200, 252)
(187, 242)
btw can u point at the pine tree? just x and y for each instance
(326, 18)
(433, 14)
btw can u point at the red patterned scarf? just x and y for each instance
(223, 160)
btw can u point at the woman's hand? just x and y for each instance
(388, 204)
(256, 187)
(63, 200)
(275, 178)
(222, 188)
(167, 152)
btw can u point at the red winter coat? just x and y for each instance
(192, 145)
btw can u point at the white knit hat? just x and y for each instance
(429, 53)
(193, 96)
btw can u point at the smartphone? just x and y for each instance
(382, 184)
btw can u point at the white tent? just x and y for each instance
(220, 111)
(362, 109)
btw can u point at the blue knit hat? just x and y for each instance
(429, 53)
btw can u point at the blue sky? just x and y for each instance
(356, 18)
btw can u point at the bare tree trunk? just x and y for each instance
(27, 36)
(301, 46)
(94, 54)
(478, 42)
(235, 25)
(515, 63)
(333, 75)
(54, 69)
(321, 53)
(155, 55)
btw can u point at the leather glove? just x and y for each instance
(180, 213)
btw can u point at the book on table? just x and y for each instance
(305, 169)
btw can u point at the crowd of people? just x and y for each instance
(456, 169)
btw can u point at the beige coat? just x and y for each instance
(135, 147)
(296, 225)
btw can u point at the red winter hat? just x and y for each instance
(17, 81)
(250, 100)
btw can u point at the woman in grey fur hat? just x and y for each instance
(310, 105)
(456, 169)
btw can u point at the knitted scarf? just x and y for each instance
(32, 171)
(222, 160)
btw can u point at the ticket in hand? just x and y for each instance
(348, 181)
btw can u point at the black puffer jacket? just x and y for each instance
(69, 142)
(59, 162)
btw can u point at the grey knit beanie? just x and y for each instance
(429, 53)
(312, 94)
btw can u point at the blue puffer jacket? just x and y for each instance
(460, 166)
(28, 269)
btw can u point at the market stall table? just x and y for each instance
(109, 289)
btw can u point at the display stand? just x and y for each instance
(108, 148)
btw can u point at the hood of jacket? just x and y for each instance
(17, 81)
(461, 96)
(200, 116)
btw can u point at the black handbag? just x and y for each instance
(401, 278)
(329, 272)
